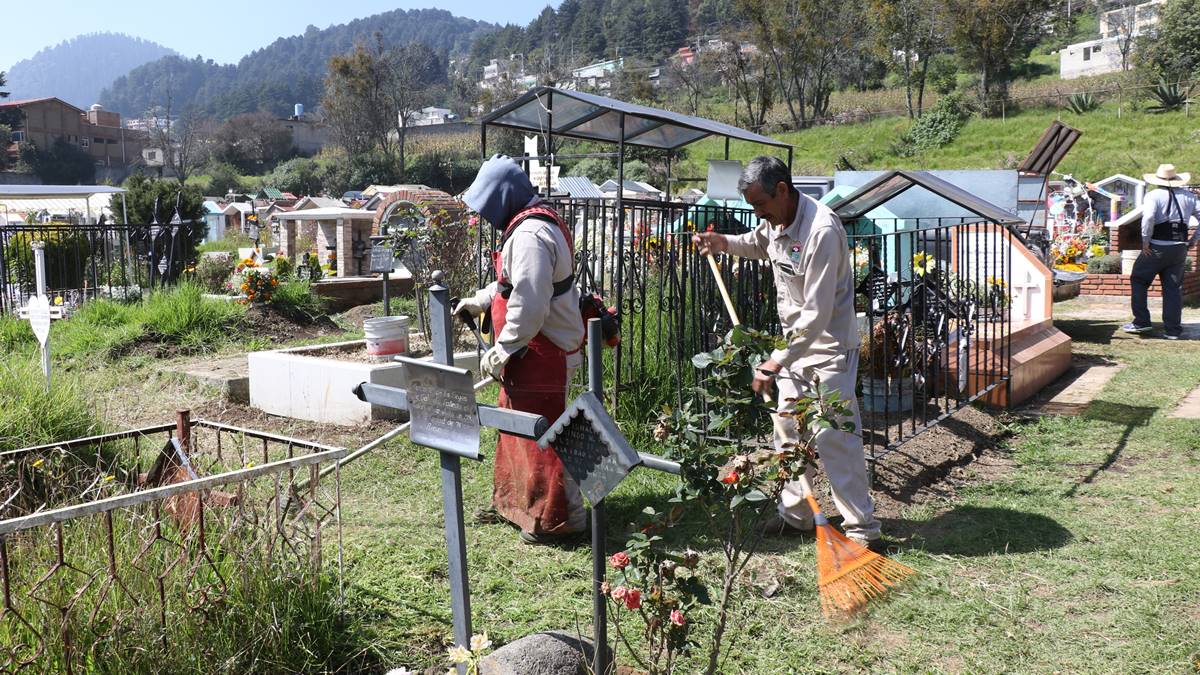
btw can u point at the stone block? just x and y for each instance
(549, 653)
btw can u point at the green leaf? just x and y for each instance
(737, 500)
(702, 360)
(755, 496)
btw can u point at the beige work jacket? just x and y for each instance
(814, 283)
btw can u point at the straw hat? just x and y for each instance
(1167, 177)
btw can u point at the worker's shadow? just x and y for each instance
(981, 530)
(1098, 331)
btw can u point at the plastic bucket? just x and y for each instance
(893, 395)
(1127, 260)
(386, 335)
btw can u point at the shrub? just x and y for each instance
(66, 258)
(1104, 264)
(230, 243)
(213, 272)
(1082, 103)
(283, 268)
(936, 128)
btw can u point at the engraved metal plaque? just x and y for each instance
(592, 449)
(382, 259)
(442, 407)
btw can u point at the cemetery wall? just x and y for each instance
(1118, 284)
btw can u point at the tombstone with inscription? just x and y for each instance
(591, 447)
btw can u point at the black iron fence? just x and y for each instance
(933, 306)
(94, 261)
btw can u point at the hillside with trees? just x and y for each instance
(76, 70)
(288, 71)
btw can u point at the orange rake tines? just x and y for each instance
(848, 573)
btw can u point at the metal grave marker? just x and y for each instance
(442, 407)
(591, 447)
(38, 310)
(303, 273)
(382, 260)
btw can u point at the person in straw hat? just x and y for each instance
(1166, 216)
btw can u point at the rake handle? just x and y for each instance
(716, 271)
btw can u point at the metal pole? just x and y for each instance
(595, 364)
(549, 139)
(620, 252)
(456, 540)
(39, 271)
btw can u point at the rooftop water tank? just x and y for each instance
(299, 110)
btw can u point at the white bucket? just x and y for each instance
(386, 335)
(1127, 260)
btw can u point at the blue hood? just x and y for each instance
(500, 190)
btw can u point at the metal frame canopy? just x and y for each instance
(62, 192)
(577, 114)
(891, 184)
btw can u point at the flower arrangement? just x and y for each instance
(257, 284)
(1072, 250)
(329, 269)
(923, 263)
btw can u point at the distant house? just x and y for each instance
(430, 116)
(309, 132)
(96, 131)
(633, 190)
(214, 219)
(1119, 30)
(597, 75)
(236, 216)
(578, 187)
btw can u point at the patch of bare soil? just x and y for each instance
(965, 449)
(267, 322)
(244, 416)
(356, 316)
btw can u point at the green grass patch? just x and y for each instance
(1133, 143)
(297, 301)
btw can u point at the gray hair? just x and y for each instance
(767, 172)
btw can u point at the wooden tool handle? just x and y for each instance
(712, 263)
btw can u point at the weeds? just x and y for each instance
(296, 301)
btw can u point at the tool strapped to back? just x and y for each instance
(504, 285)
(1171, 230)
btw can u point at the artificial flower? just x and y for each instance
(480, 642)
(677, 617)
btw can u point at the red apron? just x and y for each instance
(528, 488)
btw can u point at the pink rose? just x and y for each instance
(677, 617)
(619, 560)
(619, 592)
(633, 598)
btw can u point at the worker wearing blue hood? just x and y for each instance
(538, 332)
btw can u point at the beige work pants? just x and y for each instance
(839, 452)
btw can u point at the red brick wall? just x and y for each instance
(1118, 284)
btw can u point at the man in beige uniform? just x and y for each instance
(807, 247)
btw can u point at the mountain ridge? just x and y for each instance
(70, 70)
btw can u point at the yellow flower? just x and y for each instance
(58, 300)
(459, 654)
(109, 478)
(923, 263)
(38, 462)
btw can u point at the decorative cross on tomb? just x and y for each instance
(1025, 289)
(591, 447)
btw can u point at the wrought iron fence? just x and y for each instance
(154, 542)
(94, 261)
(924, 334)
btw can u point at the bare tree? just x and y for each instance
(1121, 23)
(907, 34)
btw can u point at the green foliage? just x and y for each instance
(63, 164)
(66, 258)
(282, 268)
(936, 128)
(230, 243)
(297, 301)
(1082, 103)
(943, 74)
(213, 272)
(252, 142)
(299, 176)
(1104, 264)
(1169, 97)
(142, 191)
(1172, 48)
(224, 178)
(595, 169)
(451, 172)
(371, 168)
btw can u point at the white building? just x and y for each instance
(1113, 49)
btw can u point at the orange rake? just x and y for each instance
(848, 573)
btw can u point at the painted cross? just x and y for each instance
(1025, 289)
(591, 447)
(39, 312)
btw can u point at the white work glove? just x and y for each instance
(492, 363)
(470, 306)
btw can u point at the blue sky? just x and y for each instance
(222, 30)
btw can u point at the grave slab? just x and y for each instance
(230, 375)
(1189, 407)
(1080, 391)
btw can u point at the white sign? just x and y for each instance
(39, 317)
